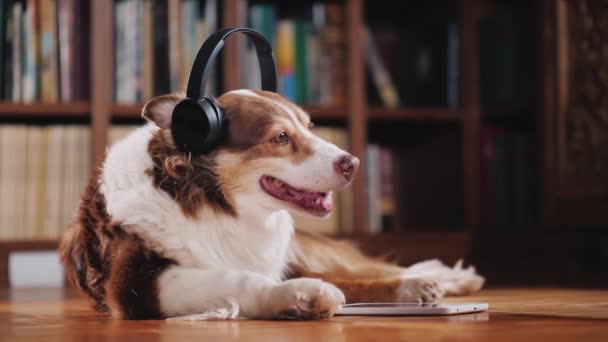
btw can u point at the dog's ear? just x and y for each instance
(160, 109)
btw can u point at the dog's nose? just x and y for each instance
(347, 165)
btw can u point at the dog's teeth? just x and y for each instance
(318, 201)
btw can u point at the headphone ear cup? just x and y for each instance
(196, 126)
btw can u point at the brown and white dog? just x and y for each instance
(165, 234)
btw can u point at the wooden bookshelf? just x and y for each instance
(133, 111)
(72, 109)
(355, 114)
(414, 114)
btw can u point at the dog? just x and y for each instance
(165, 234)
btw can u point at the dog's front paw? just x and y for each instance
(306, 298)
(418, 290)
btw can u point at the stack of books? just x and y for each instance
(43, 171)
(44, 50)
(309, 46)
(155, 42)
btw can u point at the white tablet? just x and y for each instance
(410, 309)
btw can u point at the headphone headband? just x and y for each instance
(206, 55)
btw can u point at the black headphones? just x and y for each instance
(197, 124)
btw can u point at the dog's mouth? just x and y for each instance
(316, 203)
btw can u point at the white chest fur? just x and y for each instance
(253, 241)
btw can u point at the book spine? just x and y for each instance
(453, 82)
(301, 68)
(17, 17)
(81, 51)
(121, 71)
(66, 14)
(382, 80)
(148, 51)
(175, 46)
(334, 37)
(30, 75)
(162, 82)
(49, 77)
(137, 51)
(285, 59)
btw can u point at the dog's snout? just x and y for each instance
(347, 165)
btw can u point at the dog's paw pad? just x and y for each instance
(307, 298)
(418, 290)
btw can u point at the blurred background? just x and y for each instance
(482, 124)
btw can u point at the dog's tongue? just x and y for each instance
(310, 198)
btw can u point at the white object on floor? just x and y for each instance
(35, 269)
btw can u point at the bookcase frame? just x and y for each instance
(356, 114)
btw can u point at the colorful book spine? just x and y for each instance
(176, 51)
(17, 31)
(30, 54)
(49, 65)
(286, 59)
(382, 80)
(65, 12)
(301, 30)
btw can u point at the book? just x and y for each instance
(6, 8)
(160, 36)
(453, 73)
(421, 74)
(333, 35)
(17, 49)
(301, 29)
(49, 73)
(30, 53)
(190, 14)
(66, 15)
(176, 51)
(286, 59)
(373, 180)
(380, 76)
(147, 51)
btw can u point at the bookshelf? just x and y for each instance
(355, 114)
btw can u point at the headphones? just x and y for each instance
(197, 123)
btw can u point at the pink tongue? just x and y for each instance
(311, 197)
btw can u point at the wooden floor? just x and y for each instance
(515, 315)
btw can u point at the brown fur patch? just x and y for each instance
(132, 288)
(362, 279)
(253, 121)
(105, 262)
(367, 290)
(191, 180)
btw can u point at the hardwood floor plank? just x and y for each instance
(516, 314)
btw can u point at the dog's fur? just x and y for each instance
(161, 233)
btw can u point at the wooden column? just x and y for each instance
(356, 103)
(230, 58)
(101, 75)
(471, 130)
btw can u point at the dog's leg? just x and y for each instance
(186, 291)
(142, 284)
(393, 289)
(364, 279)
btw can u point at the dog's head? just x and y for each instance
(269, 159)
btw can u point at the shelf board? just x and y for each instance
(72, 109)
(27, 245)
(414, 113)
(133, 111)
(127, 111)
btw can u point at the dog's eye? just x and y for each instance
(281, 139)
